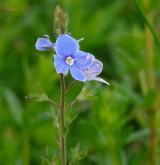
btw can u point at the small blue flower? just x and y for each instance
(69, 57)
(44, 43)
(82, 65)
(93, 71)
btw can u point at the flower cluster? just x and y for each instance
(82, 65)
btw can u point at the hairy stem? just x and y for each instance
(62, 108)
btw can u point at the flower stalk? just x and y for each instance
(62, 108)
(60, 27)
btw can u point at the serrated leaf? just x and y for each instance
(89, 91)
(38, 95)
(71, 115)
(79, 152)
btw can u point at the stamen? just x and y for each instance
(70, 60)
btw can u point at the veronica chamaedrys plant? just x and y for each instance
(69, 58)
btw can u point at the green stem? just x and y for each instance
(143, 82)
(62, 138)
(151, 110)
(26, 151)
(150, 59)
(151, 86)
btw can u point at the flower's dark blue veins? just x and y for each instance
(60, 64)
(44, 43)
(66, 45)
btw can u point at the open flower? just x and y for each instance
(69, 57)
(82, 65)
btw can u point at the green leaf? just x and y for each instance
(79, 152)
(70, 114)
(150, 99)
(90, 91)
(15, 107)
(50, 156)
(72, 94)
(38, 95)
(145, 20)
(142, 134)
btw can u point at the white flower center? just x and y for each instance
(69, 60)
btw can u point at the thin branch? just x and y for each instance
(53, 103)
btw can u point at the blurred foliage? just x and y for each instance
(112, 121)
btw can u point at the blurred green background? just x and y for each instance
(118, 124)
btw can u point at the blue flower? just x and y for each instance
(92, 72)
(69, 57)
(44, 43)
(82, 65)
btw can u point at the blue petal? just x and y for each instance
(60, 65)
(66, 45)
(93, 70)
(44, 43)
(77, 74)
(83, 59)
